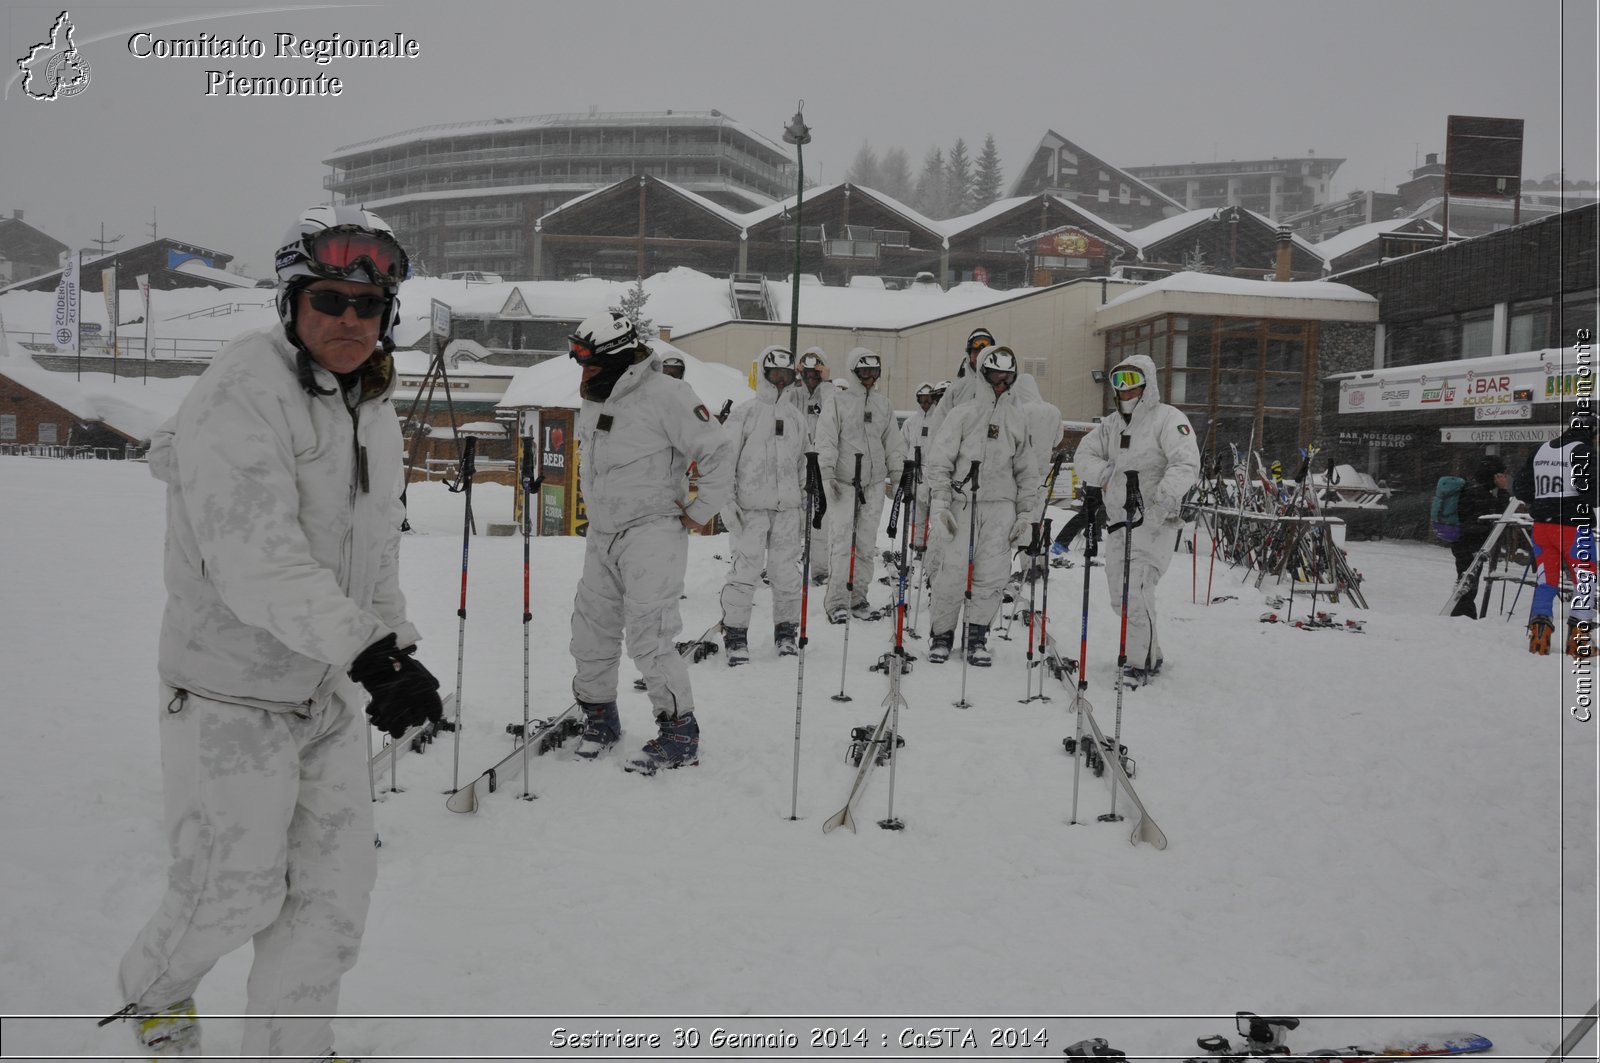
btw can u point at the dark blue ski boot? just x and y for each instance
(677, 746)
(601, 728)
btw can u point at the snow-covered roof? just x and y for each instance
(1214, 284)
(554, 383)
(1361, 235)
(1486, 366)
(129, 403)
(1166, 228)
(547, 121)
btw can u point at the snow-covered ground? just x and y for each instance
(1393, 831)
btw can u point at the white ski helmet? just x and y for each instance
(776, 357)
(925, 389)
(599, 337)
(996, 362)
(340, 243)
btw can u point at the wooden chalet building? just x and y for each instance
(1230, 242)
(25, 251)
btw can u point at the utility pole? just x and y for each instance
(153, 233)
(103, 242)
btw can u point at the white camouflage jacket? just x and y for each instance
(769, 440)
(1160, 446)
(858, 421)
(994, 432)
(283, 527)
(635, 445)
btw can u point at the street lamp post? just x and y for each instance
(798, 134)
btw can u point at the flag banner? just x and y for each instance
(66, 318)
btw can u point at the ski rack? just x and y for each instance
(881, 746)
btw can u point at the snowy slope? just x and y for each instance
(1399, 823)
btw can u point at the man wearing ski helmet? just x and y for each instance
(283, 473)
(967, 385)
(992, 430)
(858, 420)
(1558, 484)
(811, 395)
(769, 456)
(1147, 436)
(638, 430)
(919, 430)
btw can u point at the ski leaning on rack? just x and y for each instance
(1144, 827)
(869, 747)
(543, 736)
(1481, 558)
(414, 740)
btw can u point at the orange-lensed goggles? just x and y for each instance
(1126, 379)
(344, 250)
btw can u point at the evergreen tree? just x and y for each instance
(865, 170)
(895, 173)
(987, 184)
(632, 308)
(958, 180)
(929, 197)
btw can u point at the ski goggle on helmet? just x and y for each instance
(342, 243)
(979, 339)
(1126, 379)
(869, 365)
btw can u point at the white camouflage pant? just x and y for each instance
(770, 539)
(631, 584)
(991, 566)
(269, 822)
(1152, 554)
(841, 514)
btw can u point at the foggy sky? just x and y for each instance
(1136, 82)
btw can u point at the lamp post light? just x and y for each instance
(798, 134)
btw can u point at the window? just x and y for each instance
(1038, 368)
(8, 426)
(1528, 327)
(47, 432)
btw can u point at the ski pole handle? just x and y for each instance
(972, 478)
(819, 497)
(468, 465)
(861, 496)
(1133, 502)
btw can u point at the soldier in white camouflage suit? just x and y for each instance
(283, 473)
(812, 393)
(637, 431)
(769, 454)
(859, 420)
(991, 429)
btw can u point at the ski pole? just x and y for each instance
(1091, 504)
(1044, 609)
(530, 488)
(922, 552)
(966, 604)
(905, 496)
(896, 666)
(816, 501)
(850, 580)
(463, 485)
(1131, 504)
(1033, 585)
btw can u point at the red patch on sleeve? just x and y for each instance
(702, 413)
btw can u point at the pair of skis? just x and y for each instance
(543, 736)
(1264, 1036)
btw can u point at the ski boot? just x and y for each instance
(1540, 628)
(601, 728)
(677, 746)
(783, 639)
(172, 1031)
(862, 611)
(939, 649)
(840, 615)
(1580, 641)
(978, 646)
(737, 646)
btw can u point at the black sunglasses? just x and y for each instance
(333, 303)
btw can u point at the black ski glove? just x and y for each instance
(404, 693)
